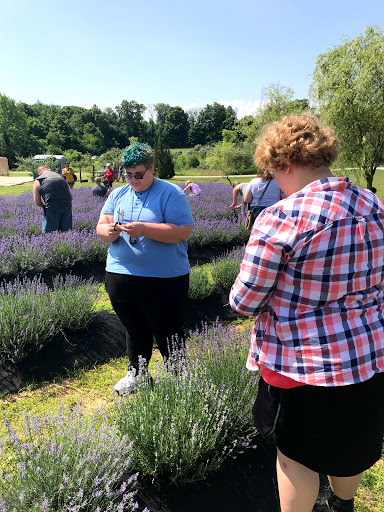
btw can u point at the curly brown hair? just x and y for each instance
(296, 140)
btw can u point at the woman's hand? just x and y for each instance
(162, 232)
(133, 229)
(107, 229)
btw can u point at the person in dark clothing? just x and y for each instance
(99, 189)
(53, 194)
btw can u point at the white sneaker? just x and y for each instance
(129, 384)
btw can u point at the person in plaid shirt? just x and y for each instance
(312, 276)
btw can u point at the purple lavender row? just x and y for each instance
(25, 249)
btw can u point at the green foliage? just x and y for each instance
(13, 130)
(224, 273)
(24, 328)
(230, 136)
(31, 165)
(175, 127)
(231, 158)
(74, 157)
(197, 414)
(210, 123)
(185, 162)
(164, 166)
(111, 156)
(200, 284)
(348, 85)
(64, 462)
(277, 102)
(130, 118)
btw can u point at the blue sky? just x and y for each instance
(181, 53)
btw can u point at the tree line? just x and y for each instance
(27, 130)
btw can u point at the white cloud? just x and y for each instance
(192, 106)
(242, 107)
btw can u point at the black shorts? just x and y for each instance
(336, 431)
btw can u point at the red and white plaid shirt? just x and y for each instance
(313, 276)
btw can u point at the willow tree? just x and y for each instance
(348, 87)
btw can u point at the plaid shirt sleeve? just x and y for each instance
(269, 248)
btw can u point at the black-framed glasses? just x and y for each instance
(136, 176)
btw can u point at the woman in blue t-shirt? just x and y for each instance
(147, 223)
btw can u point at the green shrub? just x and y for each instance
(232, 158)
(200, 285)
(224, 273)
(31, 313)
(66, 462)
(198, 413)
(193, 161)
(31, 165)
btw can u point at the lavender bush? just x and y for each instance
(223, 272)
(200, 285)
(66, 462)
(26, 250)
(198, 413)
(31, 313)
(226, 268)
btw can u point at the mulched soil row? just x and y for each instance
(247, 482)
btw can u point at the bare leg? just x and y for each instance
(345, 487)
(298, 485)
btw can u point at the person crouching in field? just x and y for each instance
(313, 278)
(191, 189)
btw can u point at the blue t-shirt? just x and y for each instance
(163, 202)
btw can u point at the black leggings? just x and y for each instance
(149, 307)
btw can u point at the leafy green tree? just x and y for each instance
(231, 158)
(130, 119)
(73, 156)
(107, 121)
(31, 165)
(230, 118)
(175, 128)
(148, 132)
(161, 110)
(112, 155)
(230, 136)
(92, 140)
(277, 102)
(13, 130)
(209, 125)
(164, 166)
(132, 140)
(348, 85)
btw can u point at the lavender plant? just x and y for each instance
(226, 268)
(31, 313)
(66, 462)
(200, 285)
(25, 249)
(198, 413)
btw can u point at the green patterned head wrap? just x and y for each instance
(136, 154)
